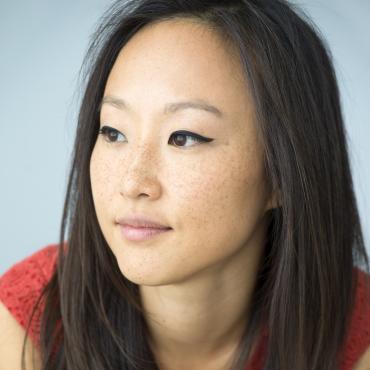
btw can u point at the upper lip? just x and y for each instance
(142, 221)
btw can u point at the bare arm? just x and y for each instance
(364, 362)
(11, 342)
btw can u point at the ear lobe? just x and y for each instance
(274, 201)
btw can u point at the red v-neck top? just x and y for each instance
(22, 283)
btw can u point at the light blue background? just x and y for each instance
(42, 45)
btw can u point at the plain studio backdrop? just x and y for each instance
(42, 46)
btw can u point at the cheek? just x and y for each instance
(220, 200)
(221, 180)
(102, 181)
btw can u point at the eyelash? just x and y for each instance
(105, 131)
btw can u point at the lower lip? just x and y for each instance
(140, 233)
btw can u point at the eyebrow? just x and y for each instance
(168, 108)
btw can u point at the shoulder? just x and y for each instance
(38, 260)
(357, 346)
(22, 283)
(31, 272)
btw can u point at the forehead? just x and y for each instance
(179, 59)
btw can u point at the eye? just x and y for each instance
(180, 138)
(110, 134)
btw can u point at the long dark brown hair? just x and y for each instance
(93, 317)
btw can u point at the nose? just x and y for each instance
(140, 175)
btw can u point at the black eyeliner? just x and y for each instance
(188, 133)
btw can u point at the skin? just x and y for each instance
(195, 281)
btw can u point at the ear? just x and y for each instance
(274, 200)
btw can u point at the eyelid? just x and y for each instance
(190, 133)
(199, 138)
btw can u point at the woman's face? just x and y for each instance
(212, 194)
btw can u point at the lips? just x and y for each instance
(141, 227)
(140, 222)
(141, 233)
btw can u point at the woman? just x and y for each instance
(210, 216)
